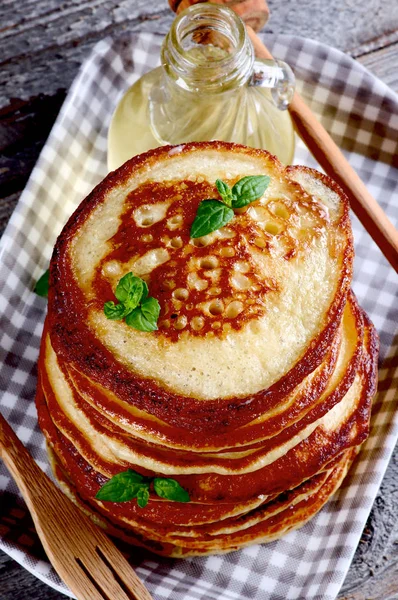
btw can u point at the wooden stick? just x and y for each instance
(333, 161)
(253, 12)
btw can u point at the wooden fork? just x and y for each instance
(81, 553)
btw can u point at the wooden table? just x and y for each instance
(42, 44)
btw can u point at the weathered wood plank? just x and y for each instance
(383, 62)
(19, 584)
(381, 587)
(43, 41)
(7, 205)
(41, 49)
(374, 570)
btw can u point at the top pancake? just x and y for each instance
(252, 304)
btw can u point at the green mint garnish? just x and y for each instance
(143, 496)
(139, 311)
(170, 489)
(225, 191)
(129, 484)
(248, 189)
(131, 290)
(114, 311)
(41, 287)
(122, 487)
(212, 214)
(145, 317)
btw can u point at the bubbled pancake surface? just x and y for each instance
(235, 324)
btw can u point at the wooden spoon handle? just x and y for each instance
(333, 161)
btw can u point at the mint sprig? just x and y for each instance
(131, 290)
(129, 484)
(212, 214)
(135, 306)
(143, 496)
(42, 284)
(122, 487)
(114, 311)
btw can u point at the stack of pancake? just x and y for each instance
(255, 392)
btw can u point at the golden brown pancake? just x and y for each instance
(281, 335)
(255, 391)
(345, 425)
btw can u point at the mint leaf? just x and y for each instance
(124, 286)
(140, 311)
(122, 487)
(210, 216)
(130, 290)
(145, 316)
(129, 484)
(225, 191)
(113, 311)
(41, 287)
(150, 308)
(137, 295)
(170, 489)
(143, 496)
(248, 189)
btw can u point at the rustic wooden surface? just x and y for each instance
(42, 44)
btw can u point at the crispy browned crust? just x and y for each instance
(280, 427)
(272, 519)
(74, 343)
(302, 462)
(158, 528)
(275, 431)
(99, 406)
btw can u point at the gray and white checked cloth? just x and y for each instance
(362, 115)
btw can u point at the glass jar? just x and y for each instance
(210, 87)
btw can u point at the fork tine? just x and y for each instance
(123, 571)
(103, 578)
(80, 583)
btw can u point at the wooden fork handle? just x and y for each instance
(39, 491)
(333, 161)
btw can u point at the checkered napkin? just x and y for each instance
(362, 115)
